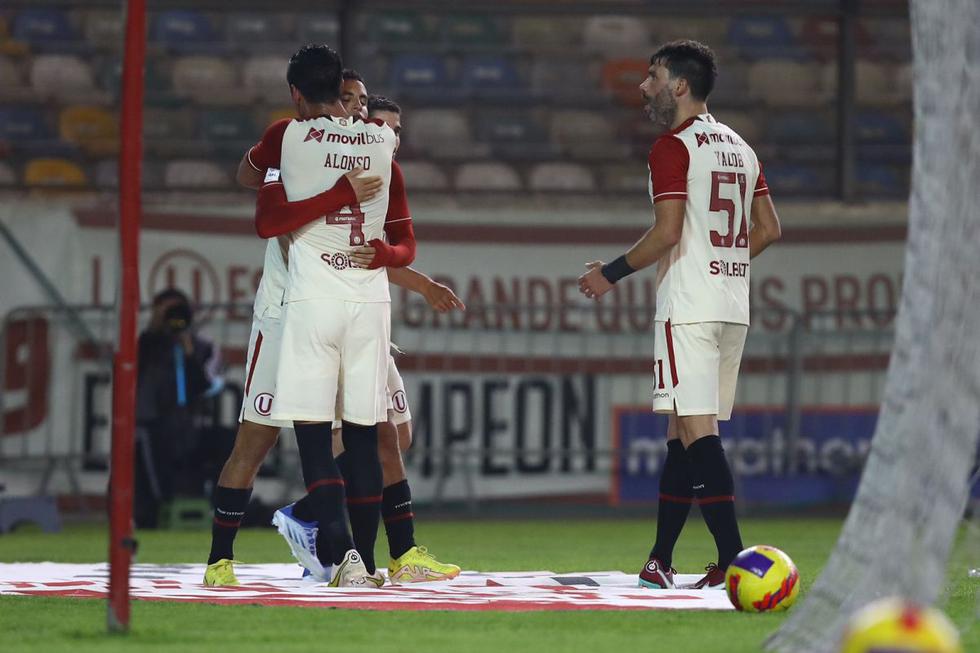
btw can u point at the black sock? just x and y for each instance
(229, 509)
(303, 509)
(396, 511)
(715, 489)
(676, 498)
(325, 489)
(364, 488)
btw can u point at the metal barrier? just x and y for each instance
(507, 400)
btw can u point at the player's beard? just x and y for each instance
(661, 109)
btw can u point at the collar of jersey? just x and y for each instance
(706, 117)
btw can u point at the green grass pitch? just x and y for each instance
(55, 624)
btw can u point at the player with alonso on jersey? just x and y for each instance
(712, 214)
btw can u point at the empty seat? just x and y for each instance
(621, 78)
(65, 77)
(193, 173)
(788, 83)
(615, 34)
(569, 177)
(399, 28)
(763, 37)
(107, 174)
(50, 172)
(561, 77)
(183, 30)
(248, 31)
(413, 72)
(473, 30)
(93, 129)
(229, 131)
(545, 32)
(487, 176)
(881, 128)
(794, 179)
(625, 178)
(103, 29)
(43, 28)
(432, 127)
(424, 176)
(22, 124)
(264, 78)
(820, 34)
(515, 134)
(318, 28)
(802, 128)
(8, 44)
(205, 79)
(880, 180)
(587, 135)
(490, 75)
(731, 85)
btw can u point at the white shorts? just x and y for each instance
(261, 363)
(696, 367)
(326, 343)
(398, 411)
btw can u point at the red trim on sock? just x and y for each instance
(227, 524)
(357, 501)
(407, 515)
(672, 499)
(255, 359)
(721, 499)
(325, 481)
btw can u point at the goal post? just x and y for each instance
(121, 542)
(903, 523)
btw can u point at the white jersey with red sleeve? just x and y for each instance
(705, 277)
(311, 156)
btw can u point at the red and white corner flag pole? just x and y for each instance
(121, 542)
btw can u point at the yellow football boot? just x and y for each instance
(418, 566)
(220, 573)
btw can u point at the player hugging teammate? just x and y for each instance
(712, 214)
(321, 337)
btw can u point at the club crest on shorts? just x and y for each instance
(399, 402)
(263, 404)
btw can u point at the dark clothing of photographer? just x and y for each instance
(171, 381)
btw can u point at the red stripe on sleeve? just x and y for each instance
(668, 162)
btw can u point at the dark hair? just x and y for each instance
(381, 103)
(350, 73)
(169, 294)
(691, 60)
(315, 70)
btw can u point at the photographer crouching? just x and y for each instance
(175, 373)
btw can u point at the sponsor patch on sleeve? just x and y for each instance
(272, 174)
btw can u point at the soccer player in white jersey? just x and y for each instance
(712, 214)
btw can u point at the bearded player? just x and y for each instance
(712, 214)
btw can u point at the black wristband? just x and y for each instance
(616, 270)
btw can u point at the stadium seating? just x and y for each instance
(566, 78)
(799, 179)
(184, 31)
(560, 176)
(782, 83)
(264, 78)
(12, 84)
(490, 76)
(819, 34)
(207, 80)
(515, 134)
(880, 180)
(532, 33)
(625, 178)
(258, 32)
(107, 174)
(469, 31)
(763, 37)
(801, 128)
(22, 125)
(94, 129)
(621, 79)
(432, 128)
(103, 30)
(394, 28)
(611, 35)
(882, 84)
(746, 124)
(424, 176)
(195, 174)
(586, 135)
(487, 176)
(66, 78)
(44, 29)
(419, 76)
(50, 172)
(318, 28)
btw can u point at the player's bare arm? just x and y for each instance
(247, 175)
(655, 243)
(765, 225)
(440, 297)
